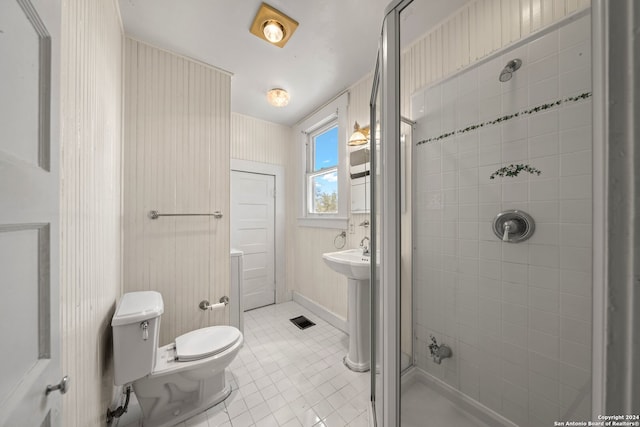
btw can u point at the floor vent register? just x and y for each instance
(302, 322)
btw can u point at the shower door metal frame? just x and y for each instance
(616, 300)
(374, 283)
(388, 78)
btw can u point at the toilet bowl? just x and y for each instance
(178, 380)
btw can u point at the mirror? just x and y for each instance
(359, 170)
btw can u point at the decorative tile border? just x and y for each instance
(514, 170)
(529, 111)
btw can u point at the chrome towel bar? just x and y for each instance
(156, 214)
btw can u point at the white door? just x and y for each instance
(253, 232)
(29, 211)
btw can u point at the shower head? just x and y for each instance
(507, 71)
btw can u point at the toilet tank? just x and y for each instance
(136, 328)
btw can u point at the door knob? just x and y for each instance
(62, 386)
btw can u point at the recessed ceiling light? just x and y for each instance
(273, 31)
(273, 26)
(278, 97)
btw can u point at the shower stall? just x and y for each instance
(483, 304)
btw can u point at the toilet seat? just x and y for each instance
(205, 342)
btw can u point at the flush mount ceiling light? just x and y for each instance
(359, 136)
(273, 26)
(278, 97)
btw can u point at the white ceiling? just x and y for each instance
(334, 46)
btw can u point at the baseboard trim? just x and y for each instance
(472, 406)
(322, 312)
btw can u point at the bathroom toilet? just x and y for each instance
(176, 381)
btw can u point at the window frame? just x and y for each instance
(332, 114)
(310, 166)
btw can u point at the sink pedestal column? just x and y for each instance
(359, 320)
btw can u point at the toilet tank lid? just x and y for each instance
(138, 306)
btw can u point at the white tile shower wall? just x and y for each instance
(517, 316)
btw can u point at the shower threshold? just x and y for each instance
(425, 397)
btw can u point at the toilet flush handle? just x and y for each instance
(145, 330)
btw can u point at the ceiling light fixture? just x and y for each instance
(273, 26)
(273, 31)
(360, 136)
(278, 97)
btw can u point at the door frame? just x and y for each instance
(277, 171)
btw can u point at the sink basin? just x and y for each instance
(350, 263)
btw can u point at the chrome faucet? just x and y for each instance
(364, 246)
(438, 351)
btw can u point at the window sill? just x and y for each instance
(339, 223)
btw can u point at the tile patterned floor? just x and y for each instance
(284, 376)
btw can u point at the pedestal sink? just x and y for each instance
(353, 264)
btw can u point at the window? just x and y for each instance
(323, 172)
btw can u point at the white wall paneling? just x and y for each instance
(260, 141)
(90, 200)
(312, 279)
(176, 160)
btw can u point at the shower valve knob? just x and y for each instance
(510, 227)
(505, 236)
(513, 226)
